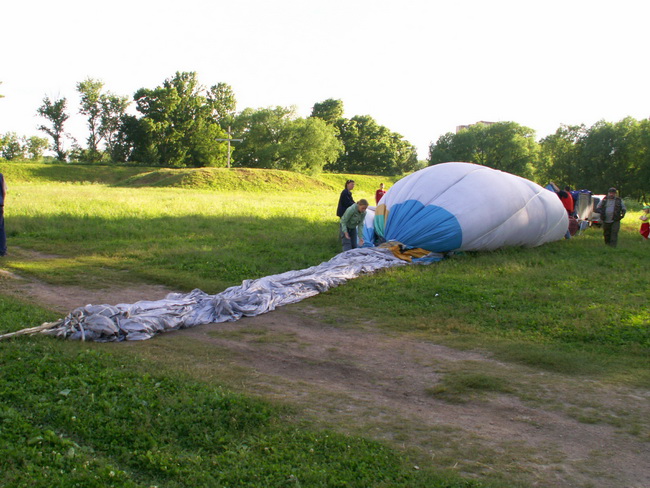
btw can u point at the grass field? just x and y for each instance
(92, 417)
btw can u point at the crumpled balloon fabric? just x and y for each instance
(144, 319)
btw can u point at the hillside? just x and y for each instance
(214, 179)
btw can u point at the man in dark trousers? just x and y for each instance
(611, 210)
(3, 235)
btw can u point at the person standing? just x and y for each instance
(345, 200)
(645, 223)
(3, 235)
(352, 224)
(567, 202)
(379, 193)
(611, 210)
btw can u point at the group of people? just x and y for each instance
(611, 209)
(353, 214)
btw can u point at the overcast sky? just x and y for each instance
(419, 67)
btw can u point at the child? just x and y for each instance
(645, 226)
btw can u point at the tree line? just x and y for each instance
(594, 158)
(181, 123)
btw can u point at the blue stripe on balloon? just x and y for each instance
(426, 226)
(368, 236)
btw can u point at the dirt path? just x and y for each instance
(548, 431)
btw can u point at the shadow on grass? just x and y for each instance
(185, 252)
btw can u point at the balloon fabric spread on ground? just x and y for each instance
(467, 207)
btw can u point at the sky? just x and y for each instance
(418, 67)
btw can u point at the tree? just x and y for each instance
(275, 138)
(372, 148)
(609, 153)
(513, 148)
(36, 147)
(330, 110)
(506, 146)
(221, 99)
(443, 150)
(261, 131)
(104, 111)
(368, 146)
(177, 127)
(113, 110)
(55, 113)
(640, 186)
(560, 157)
(308, 145)
(12, 147)
(90, 92)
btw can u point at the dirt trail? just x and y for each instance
(379, 385)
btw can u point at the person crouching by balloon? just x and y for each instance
(352, 224)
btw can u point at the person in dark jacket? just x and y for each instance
(345, 200)
(611, 210)
(3, 235)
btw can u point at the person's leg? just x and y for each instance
(613, 238)
(3, 236)
(607, 232)
(353, 237)
(346, 245)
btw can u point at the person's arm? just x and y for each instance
(360, 228)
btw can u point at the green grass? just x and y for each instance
(461, 386)
(77, 415)
(572, 307)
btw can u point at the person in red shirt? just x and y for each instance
(379, 193)
(567, 200)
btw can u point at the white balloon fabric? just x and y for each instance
(468, 207)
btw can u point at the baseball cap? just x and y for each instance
(612, 189)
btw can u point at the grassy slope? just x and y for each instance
(213, 179)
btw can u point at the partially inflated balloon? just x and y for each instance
(468, 207)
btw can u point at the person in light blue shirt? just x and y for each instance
(352, 224)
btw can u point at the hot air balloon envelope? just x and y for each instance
(468, 207)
